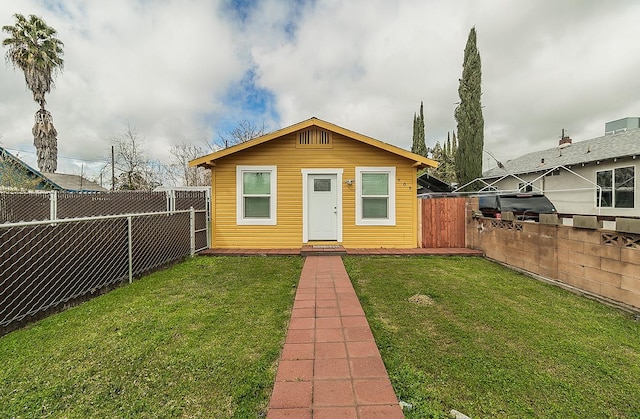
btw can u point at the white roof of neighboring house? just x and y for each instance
(623, 144)
(58, 181)
(73, 183)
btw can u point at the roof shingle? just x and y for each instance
(623, 144)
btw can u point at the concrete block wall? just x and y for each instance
(601, 262)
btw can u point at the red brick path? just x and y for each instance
(330, 365)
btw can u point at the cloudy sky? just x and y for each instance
(189, 70)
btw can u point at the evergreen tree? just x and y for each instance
(445, 156)
(436, 153)
(419, 143)
(454, 143)
(450, 175)
(468, 114)
(447, 147)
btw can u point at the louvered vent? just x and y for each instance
(314, 137)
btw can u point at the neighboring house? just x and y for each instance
(314, 183)
(16, 174)
(73, 183)
(594, 176)
(430, 184)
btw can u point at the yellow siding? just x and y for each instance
(283, 153)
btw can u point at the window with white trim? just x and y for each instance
(256, 195)
(525, 187)
(618, 188)
(375, 196)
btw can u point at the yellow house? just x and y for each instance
(314, 183)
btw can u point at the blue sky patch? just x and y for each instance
(239, 9)
(246, 101)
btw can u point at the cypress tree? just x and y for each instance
(468, 114)
(454, 144)
(446, 157)
(447, 147)
(437, 152)
(419, 145)
(415, 133)
(451, 175)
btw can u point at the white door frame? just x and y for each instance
(305, 199)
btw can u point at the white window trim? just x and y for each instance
(613, 187)
(391, 220)
(305, 195)
(240, 219)
(598, 188)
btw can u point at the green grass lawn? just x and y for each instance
(496, 343)
(200, 339)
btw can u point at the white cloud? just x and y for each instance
(163, 67)
(546, 66)
(166, 68)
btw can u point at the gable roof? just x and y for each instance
(7, 157)
(57, 181)
(73, 183)
(209, 159)
(623, 144)
(428, 183)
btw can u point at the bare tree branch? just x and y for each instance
(137, 172)
(180, 172)
(243, 132)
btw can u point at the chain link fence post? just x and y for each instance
(130, 240)
(53, 205)
(208, 215)
(192, 230)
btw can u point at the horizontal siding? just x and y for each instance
(345, 154)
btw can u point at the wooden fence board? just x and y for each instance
(443, 222)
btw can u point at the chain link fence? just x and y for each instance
(47, 266)
(17, 207)
(27, 206)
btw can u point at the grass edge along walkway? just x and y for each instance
(199, 339)
(491, 342)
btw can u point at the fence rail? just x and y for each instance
(17, 207)
(46, 265)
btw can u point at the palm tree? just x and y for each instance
(35, 49)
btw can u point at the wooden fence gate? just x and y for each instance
(443, 222)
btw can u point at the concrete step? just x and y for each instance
(323, 250)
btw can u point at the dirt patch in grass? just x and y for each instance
(496, 343)
(421, 300)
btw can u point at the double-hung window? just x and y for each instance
(617, 187)
(375, 196)
(256, 195)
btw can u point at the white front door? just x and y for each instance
(322, 205)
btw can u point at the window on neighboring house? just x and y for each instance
(525, 187)
(375, 196)
(618, 187)
(256, 195)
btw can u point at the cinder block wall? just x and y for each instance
(602, 262)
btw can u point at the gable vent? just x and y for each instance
(314, 137)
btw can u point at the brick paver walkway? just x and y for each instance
(330, 365)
